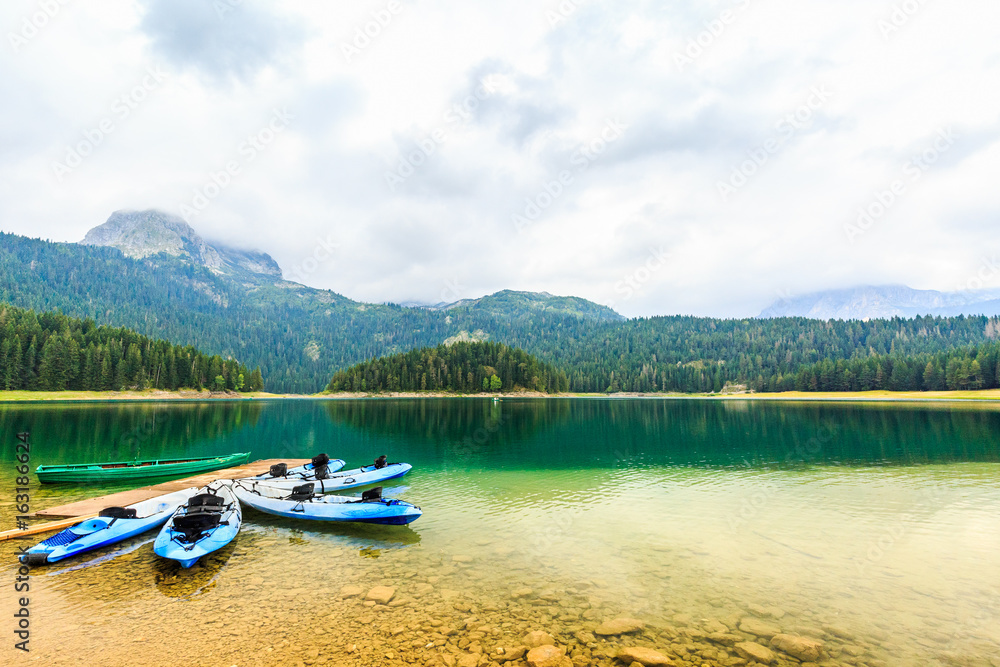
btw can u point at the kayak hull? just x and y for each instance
(103, 531)
(126, 470)
(170, 543)
(341, 481)
(386, 511)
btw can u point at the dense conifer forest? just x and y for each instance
(959, 369)
(300, 337)
(53, 352)
(464, 368)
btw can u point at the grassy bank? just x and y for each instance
(976, 395)
(159, 395)
(146, 395)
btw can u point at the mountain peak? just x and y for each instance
(867, 302)
(507, 301)
(140, 234)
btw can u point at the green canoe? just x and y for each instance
(124, 470)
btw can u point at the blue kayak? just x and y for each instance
(209, 521)
(321, 464)
(113, 525)
(304, 503)
(341, 481)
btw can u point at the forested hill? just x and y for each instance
(690, 354)
(53, 352)
(464, 368)
(958, 369)
(300, 336)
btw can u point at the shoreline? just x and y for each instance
(978, 395)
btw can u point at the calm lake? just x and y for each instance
(872, 527)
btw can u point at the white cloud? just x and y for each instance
(554, 87)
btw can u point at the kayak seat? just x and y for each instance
(206, 500)
(320, 460)
(322, 472)
(278, 470)
(372, 495)
(195, 524)
(381, 462)
(118, 513)
(302, 492)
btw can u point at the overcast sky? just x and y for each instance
(662, 157)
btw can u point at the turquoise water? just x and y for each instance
(871, 527)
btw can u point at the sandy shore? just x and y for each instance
(192, 395)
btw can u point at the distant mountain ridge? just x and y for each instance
(141, 234)
(300, 336)
(153, 273)
(505, 300)
(870, 302)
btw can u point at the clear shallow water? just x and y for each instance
(875, 528)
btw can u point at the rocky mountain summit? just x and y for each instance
(140, 234)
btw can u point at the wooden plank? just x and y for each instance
(91, 506)
(42, 528)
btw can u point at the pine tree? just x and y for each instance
(256, 381)
(14, 377)
(52, 371)
(30, 375)
(4, 361)
(107, 373)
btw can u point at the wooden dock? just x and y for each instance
(72, 513)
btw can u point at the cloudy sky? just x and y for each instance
(662, 157)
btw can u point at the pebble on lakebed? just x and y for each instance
(519, 627)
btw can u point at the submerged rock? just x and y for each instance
(509, 654)
(711, 625)
(381, 594)
(803, 648)
(538, 638)
(759, 628)
(547, 656)
(724, 638)
(754, 651)
(619, 626)
(351, 591)
(839, 631)
(644, 656)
